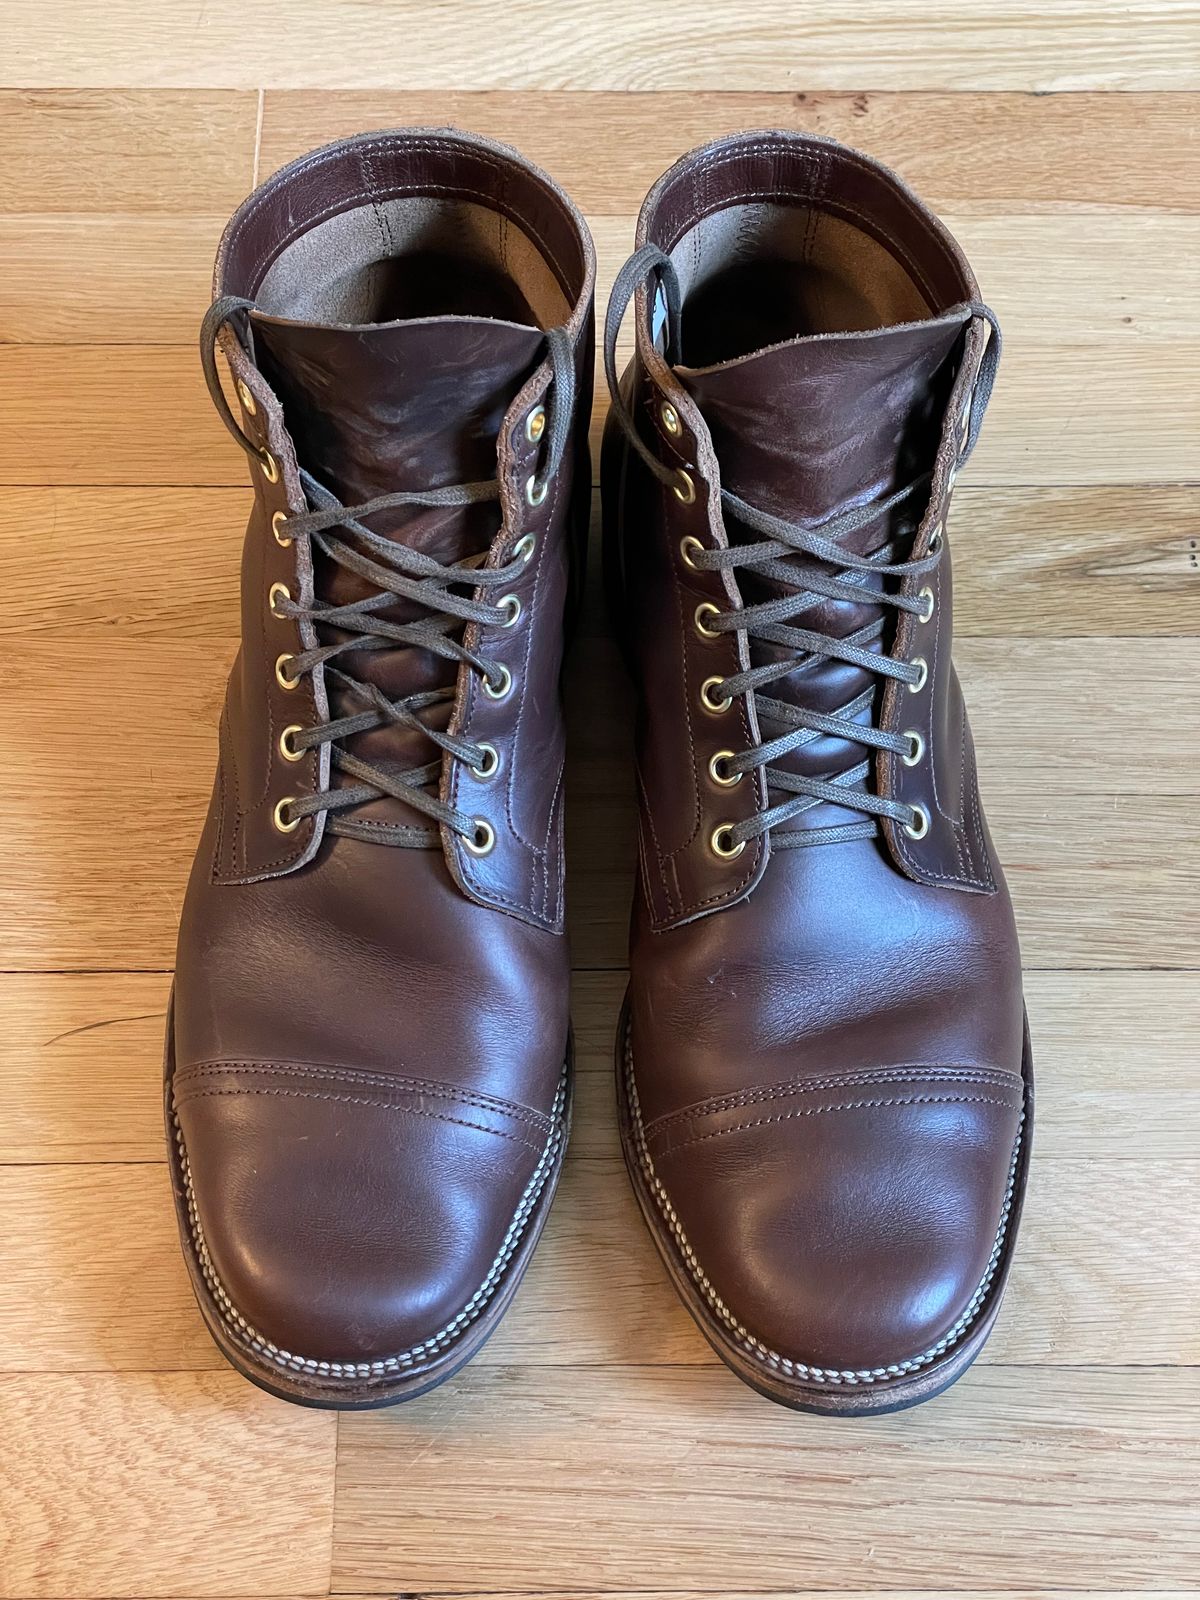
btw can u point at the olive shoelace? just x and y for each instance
(838, 574)
(397, 573)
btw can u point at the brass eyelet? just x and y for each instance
(923, 677)
(483, 841)
(935, 538)
(925, 594)
(916, 748)
(278, 523)
(510, 604)
(721, 845)
(284, 824)
(684, 488)
(686, 545)
(278, 591)
(501, 690)
(286, 748)
(536, 492)
(281, 677)
(535, 424)
(706, 696)
(524, 548)
(718, 773)
(249, 404)
(269, 465)
(670, 419)
(919, 826)
(490, 765)
(707, 609)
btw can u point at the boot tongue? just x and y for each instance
(402, 405)
(373, 410)
(811, 427)
(806, 430)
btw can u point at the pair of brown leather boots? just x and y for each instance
(823, 1072)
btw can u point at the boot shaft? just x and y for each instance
(805, 358)
(388, 307)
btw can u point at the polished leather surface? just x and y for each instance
(369, 1044)
(824, 1077)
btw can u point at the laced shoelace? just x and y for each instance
(841, 575)
(398, 573)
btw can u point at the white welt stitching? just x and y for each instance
(249, 1336)
(756, 1348)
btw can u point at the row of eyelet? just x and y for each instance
(720, 839)
(716, 704)
(483, 842)
(919, 826)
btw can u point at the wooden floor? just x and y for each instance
(594, 1448)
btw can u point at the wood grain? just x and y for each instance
(519, 1478)
(130, 1485)
(1003, 152)
(121, 152)
(1079, 44)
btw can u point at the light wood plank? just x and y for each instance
(599, 1479)
(1107, 1275)
(100, 152)
(141, 564)
(805, 1594)
(1079, 44)
(94, 1279)
(81, 1054)
(136, 416)
(1041, 728)
(121, 414)
(81, 1067)
(1074, 562)
(135, 1485)
(105, 279)
(976, 152)
(133, 565)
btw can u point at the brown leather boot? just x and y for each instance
(367, 1067)
(824, 1076)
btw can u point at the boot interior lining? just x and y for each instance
(756, 275)
(413, 257)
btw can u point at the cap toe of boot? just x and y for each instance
(845, 1234)
(345, 1227)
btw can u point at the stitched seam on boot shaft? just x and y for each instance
(851, 1376)
(248, 1336)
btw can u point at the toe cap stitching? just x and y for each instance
(245, 1334)
(984, 1077)
(847, 1105)
(359, 1100)
(841, 1376)
(201, 1070)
